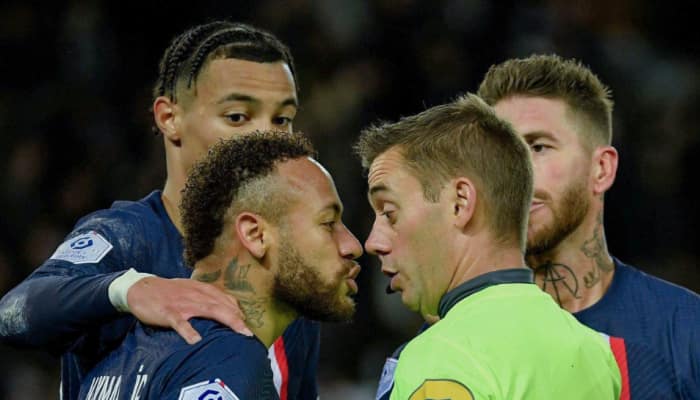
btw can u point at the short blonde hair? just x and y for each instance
(463, 138)
(589, 101)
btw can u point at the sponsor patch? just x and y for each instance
(213, 389)
(387, 380)
(87, 248)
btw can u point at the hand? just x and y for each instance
(171, 303)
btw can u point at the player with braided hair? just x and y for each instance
(216, 80)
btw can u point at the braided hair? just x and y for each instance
(187, 54)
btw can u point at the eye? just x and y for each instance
(238, 118)
(390, 215)
(282, 121)
(329, 225)
(539, 147)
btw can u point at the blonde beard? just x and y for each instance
(567, 215)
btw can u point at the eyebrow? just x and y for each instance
(534, 135)
(335, 207)
(374, 190)
(291, 101)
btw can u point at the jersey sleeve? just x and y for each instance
(68, 294)
(424, 373)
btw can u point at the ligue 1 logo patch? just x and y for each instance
(213, 389)
(87, 248)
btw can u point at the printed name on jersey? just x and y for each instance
(87, 248)
(387, 379)
(104, 387)
(213, 389)
(442, 389)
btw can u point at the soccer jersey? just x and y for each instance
(501, 337)
(158, 364)
(662, 317)
(64, 297)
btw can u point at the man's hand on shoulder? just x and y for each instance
(172, 302)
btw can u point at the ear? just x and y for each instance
(464, 201)
(251, 230)
(165, 113)
(604, 169)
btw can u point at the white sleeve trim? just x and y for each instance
(120, 287)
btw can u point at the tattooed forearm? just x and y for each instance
(254, 309)
(557, 279)
(236, 277)
(207, 277)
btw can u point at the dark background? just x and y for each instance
(75, 80)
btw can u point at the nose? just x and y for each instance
(350, 247)
(377, 242)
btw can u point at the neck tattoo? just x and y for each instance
(558, 279)
(594, 248)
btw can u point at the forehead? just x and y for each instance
(310, 181)
(388, 172)
(220, 77)
(535, 114)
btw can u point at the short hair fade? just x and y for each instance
(463, 138)
(222, 181)
(551, 76)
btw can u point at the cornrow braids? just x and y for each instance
(188, 53)
(180, 48)
(236, 42)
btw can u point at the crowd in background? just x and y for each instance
(75, 124)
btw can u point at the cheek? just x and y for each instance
(549, 173)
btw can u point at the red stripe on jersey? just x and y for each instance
(617, 345)
(281, 356)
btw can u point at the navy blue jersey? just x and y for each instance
(64, 307)
(648, 311)
(158, 364)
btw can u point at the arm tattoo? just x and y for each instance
(558, 276)
(236, 277)
(208, 277)
(595, 248)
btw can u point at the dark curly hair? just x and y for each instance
(187, 54)
(225, 177)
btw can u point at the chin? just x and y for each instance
(344, 313)
(409, 303)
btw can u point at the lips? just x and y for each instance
(392, 287)
(536, 205)
(350, 280)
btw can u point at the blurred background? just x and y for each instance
(74, 124)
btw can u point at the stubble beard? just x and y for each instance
(567, 216)
(300, 285)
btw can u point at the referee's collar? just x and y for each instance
(514, 275)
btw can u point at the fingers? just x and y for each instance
(185, 329)
(225, 312)
(172, 302)
(212, 303)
